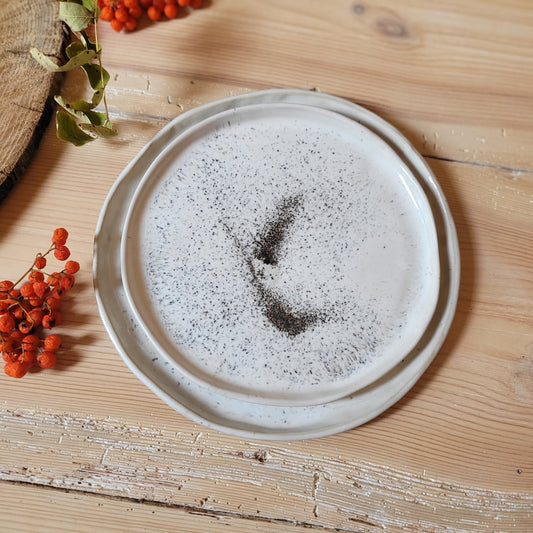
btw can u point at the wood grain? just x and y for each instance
(85, 513)
(455, 77)
(88, 440)
(26, 88)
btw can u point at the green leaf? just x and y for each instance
(69, 131)
(85, 39)
(91, 5)
(77, 61)
(76, 16)
(75, 48)
(82, 105)
(101, 131)
(96, 118)
(95, 74)
(97, 97)
(74, 110)
(82, 110)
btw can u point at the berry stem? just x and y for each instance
(38, 256)
(99, 56)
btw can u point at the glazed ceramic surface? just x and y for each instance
(205, 403)
(281, 254)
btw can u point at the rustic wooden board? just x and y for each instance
(455, 454)
(82, 512)
(26, 87)
(455, 78)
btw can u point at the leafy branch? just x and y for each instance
(77, 121)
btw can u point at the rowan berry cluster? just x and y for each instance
(124, 14)
(31, 305)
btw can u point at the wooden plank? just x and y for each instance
(298, 483)
(28, 507)
(476, 104)
(91, 424)
(454, 453)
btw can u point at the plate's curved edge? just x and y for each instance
(248, 394)
(452, 249)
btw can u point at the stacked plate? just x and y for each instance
(277, 265)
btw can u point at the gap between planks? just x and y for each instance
(281, 523)
(484, 164)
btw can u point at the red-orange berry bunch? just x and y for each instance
(124, 14)
(121, 14)
(31, 305)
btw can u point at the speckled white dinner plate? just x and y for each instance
(222, 411)
(281, 254)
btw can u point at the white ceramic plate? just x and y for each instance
(281, 254)
(233, 415)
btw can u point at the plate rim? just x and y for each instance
(138, 302)
(449, 250)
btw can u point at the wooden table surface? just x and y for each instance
(88, 445)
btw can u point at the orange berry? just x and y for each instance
(62, 253)
(14, 293)
(31, 342)
(8, 344)
(36, 275)
(53, 303)
(46, 359)
(135, 12)
(6, 285)
(121, 14)
(54, 279)
(107, 13)
(25, 326)
(184, 3)
(16, 369)
(67, 282)
(52, 343)
(195, 4)
(19, 311)
(160, 4)
(7, 323)
(10, 356)
(52, 319)
(117, 25)
(153, 13)
(146, 3)
(130, 24)
(36, 301)
(60, 236)
(26, 290)
(40, 288)
(17, 336)
(40, 262)
(58, 292)
(48, 321)
(36, 317)
(28, 357)
(58, 318)
(71, 267)
(131, 3)
(171, 11)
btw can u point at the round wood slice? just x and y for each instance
(26, 88)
